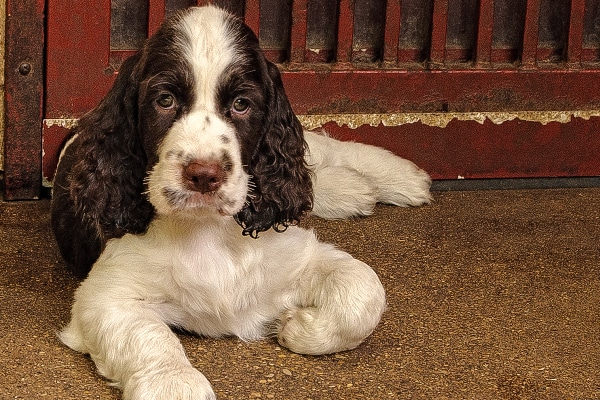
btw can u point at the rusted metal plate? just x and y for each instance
(24, 77)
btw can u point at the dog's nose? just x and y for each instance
(203, 177)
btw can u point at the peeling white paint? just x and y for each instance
(441, 120)
(67, 123)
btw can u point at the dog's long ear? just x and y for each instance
(98, 188)
(282, 191)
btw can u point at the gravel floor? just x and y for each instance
(492, 295)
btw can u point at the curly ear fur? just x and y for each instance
(99, 181)
(282, 188)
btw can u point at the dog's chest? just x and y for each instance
(226, 286)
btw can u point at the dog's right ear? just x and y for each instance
(98, 186)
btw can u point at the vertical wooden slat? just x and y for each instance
(415, 30)
(298, 31)
(252, 15)
(24, 77)
(392, 31)
(235, 7)
(485, 32)
(156, 14)
(531, 34)
(437, 53)
(575, 42)
(590, 51)
(345, 31)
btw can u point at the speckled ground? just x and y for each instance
(492, 295)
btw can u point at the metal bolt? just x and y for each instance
(25, 68)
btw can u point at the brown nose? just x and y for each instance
(203, 177)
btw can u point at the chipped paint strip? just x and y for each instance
(67, 123)
(441, 120)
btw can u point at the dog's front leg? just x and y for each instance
(132, 345)
(340, 302)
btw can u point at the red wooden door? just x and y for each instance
(465, 88)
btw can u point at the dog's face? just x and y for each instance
(196, 122)
(202, 105)
(215, 124)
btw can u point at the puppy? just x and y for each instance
(184, 188)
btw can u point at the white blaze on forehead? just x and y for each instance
(207, 42)
(210, 49)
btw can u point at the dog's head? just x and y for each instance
(210, 125)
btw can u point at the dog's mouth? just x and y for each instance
(180, 199)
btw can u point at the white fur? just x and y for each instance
(198, 136)
(194, 270)
(350, 178)
(205, 277)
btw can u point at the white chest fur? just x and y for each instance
(204, 276)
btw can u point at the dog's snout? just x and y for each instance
(203, 177)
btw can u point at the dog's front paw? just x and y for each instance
(187, 384)
(308, 331)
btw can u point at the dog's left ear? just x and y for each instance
(280, 178)
(98, 187)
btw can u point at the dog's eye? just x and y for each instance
(165, 100)
(240, 106)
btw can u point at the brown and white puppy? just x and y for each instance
(195, 139)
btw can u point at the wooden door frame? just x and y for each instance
(572, 93)
(24, 88)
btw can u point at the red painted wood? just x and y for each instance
(515, 149)
(78, 72)
(483, 53)
(463, 91)
(467, 149)
(392, 31)
(385, 91)
(345, 31)
(23, 91)
(252, 16)
(438, 34)
(298, 31)
(156, 15)
(78, 66)
(529, 55)
(575, 41)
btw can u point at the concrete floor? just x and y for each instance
(492, 295)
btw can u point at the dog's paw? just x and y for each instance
(186, 384)
(307, 331)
